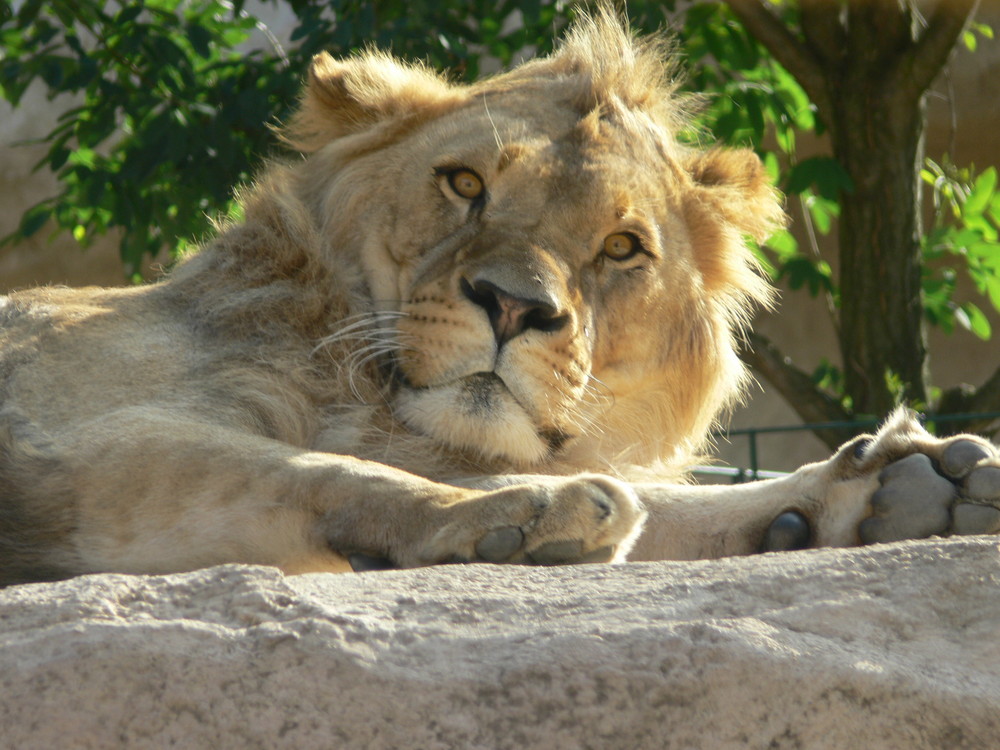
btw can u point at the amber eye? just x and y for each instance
(621, 246)
(466, 183)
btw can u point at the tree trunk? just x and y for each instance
(877, 137)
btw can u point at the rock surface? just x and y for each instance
(893, 646)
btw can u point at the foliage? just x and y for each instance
(966, 228)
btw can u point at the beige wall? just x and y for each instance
(969, 95)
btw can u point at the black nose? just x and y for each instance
(509, 315)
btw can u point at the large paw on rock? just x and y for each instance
(956, 492)
(901, 483)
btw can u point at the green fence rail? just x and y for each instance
(753, 471)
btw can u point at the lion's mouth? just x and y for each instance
(480, 412)
(482, 390)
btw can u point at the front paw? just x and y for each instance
(953, 486)
(554, 522)
(586, 519)
(902, 483)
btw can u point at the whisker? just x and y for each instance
(359, 340)
(601, 398)
(361, 327)
(600, 391)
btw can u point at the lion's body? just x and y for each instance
(529, 275)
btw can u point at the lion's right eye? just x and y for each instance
(466, 183)
(621, 246)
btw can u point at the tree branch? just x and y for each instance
(797, 388)
(822, 29)
(917, 69)
(967, 400)
(786, 48)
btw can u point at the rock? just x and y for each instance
(886, 646)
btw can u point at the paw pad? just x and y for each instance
(499, 545)
(959, 457)
(981, 516)
(913, 503)
(983, 484)
(970, 518)
(789, 531)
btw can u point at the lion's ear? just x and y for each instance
(736, 184)
(347, 96)
(733, 198)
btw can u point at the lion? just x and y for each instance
(488, 322)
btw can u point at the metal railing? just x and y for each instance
(753, 471)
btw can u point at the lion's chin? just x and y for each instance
(474, 414)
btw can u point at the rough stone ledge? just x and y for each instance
(893, 646)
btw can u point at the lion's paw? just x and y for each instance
(902, 483)
(581, 520)
(588, 519)
(955, 489)
(949, 486)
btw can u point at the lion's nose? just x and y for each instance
(511, 315)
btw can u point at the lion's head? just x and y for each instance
(570, 278)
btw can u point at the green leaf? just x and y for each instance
(127, 14)
(969, 316)
(983, 190)
(828, 376)
(85, 157)
(34, 219)
(783, 244)
(991, 288)
(201, 40)
(825, 172)
(803, 271)
(823, 211)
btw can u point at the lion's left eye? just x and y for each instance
(621, 246)
(466, 183)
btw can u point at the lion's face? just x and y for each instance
(545, 256)
(533, 253)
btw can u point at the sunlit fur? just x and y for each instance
(185, 422)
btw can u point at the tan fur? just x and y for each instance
(323, 378)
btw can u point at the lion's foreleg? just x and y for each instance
(694, 522)
(193, 494)
(899, 484)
